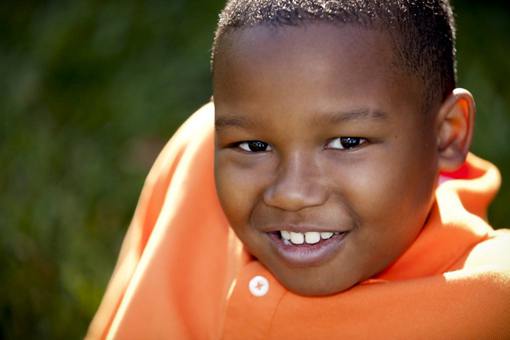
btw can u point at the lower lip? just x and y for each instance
(303, 255)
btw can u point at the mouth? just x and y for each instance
(311, 248)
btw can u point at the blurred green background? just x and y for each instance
(89, 93)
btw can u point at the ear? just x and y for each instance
(455, 121)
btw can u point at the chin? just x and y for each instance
(313, 285)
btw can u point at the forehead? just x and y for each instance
(311, 40)
(315, 66)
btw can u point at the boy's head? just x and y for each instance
(333, 120)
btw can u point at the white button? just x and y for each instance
(259, 286)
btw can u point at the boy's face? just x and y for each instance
(320, 136)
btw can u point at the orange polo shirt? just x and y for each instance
(183, 274)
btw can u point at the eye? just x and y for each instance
(254, 146)
(345, 143)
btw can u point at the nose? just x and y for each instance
(297, 185)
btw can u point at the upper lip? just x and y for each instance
(302, 228)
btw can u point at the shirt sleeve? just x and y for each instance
(147, 212)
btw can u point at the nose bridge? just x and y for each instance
(297, 184)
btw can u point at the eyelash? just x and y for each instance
(344, 143)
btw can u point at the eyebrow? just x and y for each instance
(232, 121)
(353, 115)
(319, 118)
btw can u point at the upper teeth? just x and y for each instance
(310, 237)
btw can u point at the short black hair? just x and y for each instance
(423, 30)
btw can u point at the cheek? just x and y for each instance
(238, 189)
(390, 188)
(229, 188)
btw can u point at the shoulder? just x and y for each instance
(482, 287)
(489, 262)
(493, 252)
(196, 128)
(196, 132)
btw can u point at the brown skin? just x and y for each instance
(297, 90)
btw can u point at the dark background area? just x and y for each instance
(89, 93)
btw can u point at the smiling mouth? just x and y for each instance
(310, 237)
(309, 248)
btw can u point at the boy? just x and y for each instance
(340, 164)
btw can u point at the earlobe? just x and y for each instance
(455, 129)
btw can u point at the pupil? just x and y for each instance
(349, 142)
(257, 146)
